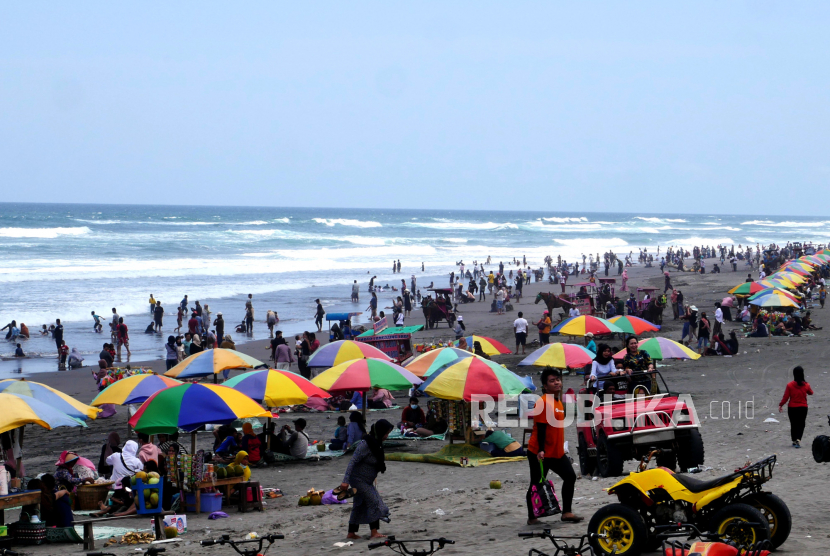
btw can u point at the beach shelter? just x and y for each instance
(48, 395)
(778, 283)
(341, 351)
(472, 376)
(275, 388)
(800, 269)
(662, 348)
(774, 299)
(583, 324)
(559, 356)
(364, 374)
(426, 363)
(633, 325)
(748, 288)
(772, 291)
(212, 362)
(793, 277)
(488, 345)
(133, 389)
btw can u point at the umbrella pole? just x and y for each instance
(268, 436)
(215, 378)
(20, 459)
(193, 442)
(364, 406)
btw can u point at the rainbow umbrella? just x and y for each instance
(633, 325)
(583, 324)
(771, 291)
(276, 388)
(189, 406)
(488, 345)
(774, 300)
(748, 288)
(778, 283)
(473, 376)
(662, 348)
(796, 268)
(133, 389)
(815, 260)
(51, 397)
(427, 363)
(793, 277)
(341, 351)
(21, 410)
(212, 361)
(559, 356)
(363, 375)
(823, 258)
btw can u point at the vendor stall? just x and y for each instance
(340, 326)
(396, 342)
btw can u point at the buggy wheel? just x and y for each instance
(619, 530)
(587, 463)
(690, 451)
(732, 522)
(776, 513)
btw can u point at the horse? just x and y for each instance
(654, 311)
(553, 302)
(434, 313)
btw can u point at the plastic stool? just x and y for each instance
(252, 489)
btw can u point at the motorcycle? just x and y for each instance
(733, 506)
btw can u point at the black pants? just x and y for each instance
(544, 338)
(798, 417)
(481, 295)
(562, 467)
(249, 324)
(353, 527)
(171, 363)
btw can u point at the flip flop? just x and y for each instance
(348, 493)
(573, 519)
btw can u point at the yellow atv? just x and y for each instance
(654, 500)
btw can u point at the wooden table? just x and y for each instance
(218, 483)
(25, 498)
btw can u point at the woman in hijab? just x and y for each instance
(111, 446)
(356, 429)
(250, 444)
(242, 459)
(124, 465)
(603, 366)
(196, 345)
(75, 359)
(73, 470)
(172, 354)
(368, 460)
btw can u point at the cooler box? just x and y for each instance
(210, 502)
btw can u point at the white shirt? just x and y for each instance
(574, 312)
(762, 275)
(399, 320)
(719, 315)
(500, 295)
(520, 325)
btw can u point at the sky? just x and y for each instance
(627, 106)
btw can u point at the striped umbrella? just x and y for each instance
(211, 362)
(51, 397)
(21, 410)
(583, 324)
(341, 351)
(559, 356)
(276, 388)
(793, 277)
(800, 269)
(133, 389)
(426, 363)
(771, 291)
(488, 345)
(662, 348)
(633, 325)
(363, 375)
(748, 288)
(189, 406)
(815, 260)
(472, 376)
(782, 283)
(774, 299)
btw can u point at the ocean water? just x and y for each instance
(63, 261)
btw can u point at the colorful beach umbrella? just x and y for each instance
(276, 388)
(748, 288)
(472, 376)
(363, 375)
(779, 283)
(212, 361)
(633, 325)
(800, 269)
(815, 260)
(21, 410)
(774, 300)
(559, 356)
(189, 406)
(341, 351)
(793, 277)
(774, 291)
(51, 397)
(426, 363)
(662, 348)
(488, 345)
(583, 324)
(133, 389)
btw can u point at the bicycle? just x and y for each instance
(562, 548)
(152, 551)
(400, 546)
(226, 539)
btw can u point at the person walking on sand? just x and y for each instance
(624, 281)
(795, 396)
(667, 280)
(318, 315)
(546, 448)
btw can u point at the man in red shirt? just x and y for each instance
(193, 325)
(546, 448)
(123, 338)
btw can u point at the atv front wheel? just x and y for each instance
(690, 451)
(609, 457)
(619, 530)
(586, 462)
(776, 512)
(732, 523)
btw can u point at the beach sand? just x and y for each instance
(478, 518)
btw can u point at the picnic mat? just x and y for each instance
(396, 435)
(367, 409)
(312, 454)
(452, 454)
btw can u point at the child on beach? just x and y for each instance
(340, 434)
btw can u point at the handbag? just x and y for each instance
(543, 499)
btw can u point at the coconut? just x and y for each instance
(305, 501)
(495, 484)
(171, 532)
